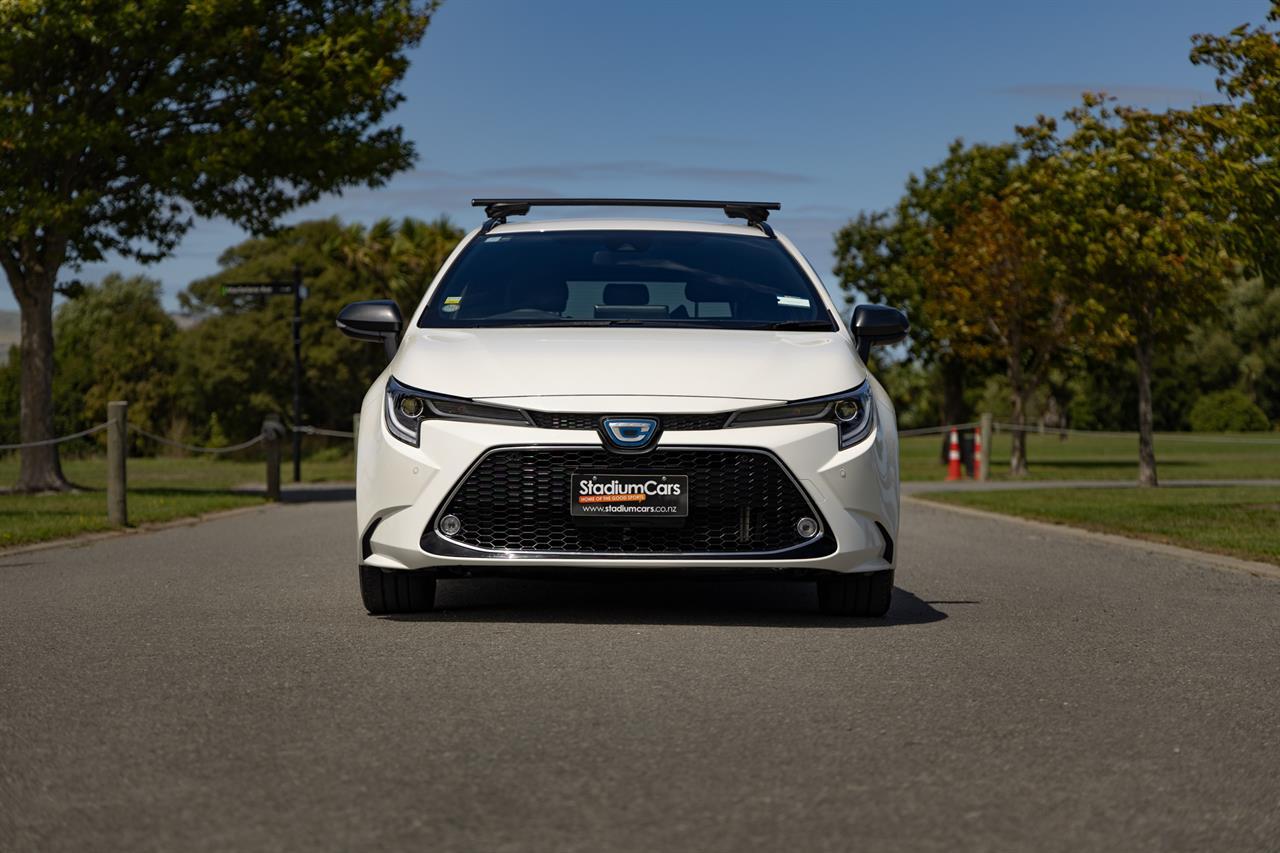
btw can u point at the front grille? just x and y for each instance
(581, 420)
(741, 502)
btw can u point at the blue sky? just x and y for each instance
(824, 106)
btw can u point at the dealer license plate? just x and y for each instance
(628, 495)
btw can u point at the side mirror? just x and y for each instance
(375, 320)
(877, 325)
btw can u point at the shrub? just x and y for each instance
(1227, 411)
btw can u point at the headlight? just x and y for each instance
(406, 408)
(853, 413)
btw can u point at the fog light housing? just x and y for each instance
(807, 527)
(450, 525)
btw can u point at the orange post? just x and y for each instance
(953, 458)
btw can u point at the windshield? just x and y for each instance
(626, 278)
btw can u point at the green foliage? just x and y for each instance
(1236, 347)
(1114, 232)
(1227, 411)
(214, 383)
(400, 258)
(1122, 201)
(115, 342)
(914, 389)
(1244, 137)
(120, 120)
(889, 256)
(236, 363)
(1240, 347)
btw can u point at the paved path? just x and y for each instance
(217, 687)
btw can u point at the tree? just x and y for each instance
(400, 258)
(1228, 411)
(1124, 207)
(119, 122)
(995, 294)
(1244, 133)
(233, 364)
(889, 256)
(1240, 348)
(115, 342)
(230, 363)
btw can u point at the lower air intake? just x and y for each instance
(742, 503)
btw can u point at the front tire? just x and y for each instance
(861, 594)
(386, 591)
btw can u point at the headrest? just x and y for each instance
(551, 296)
(705, 291)
(620, 293)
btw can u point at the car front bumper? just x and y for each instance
(400, 488)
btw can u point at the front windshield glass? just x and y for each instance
(626, 278)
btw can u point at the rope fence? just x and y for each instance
(194, 448)
(1087, 433)
(168, 442)
(118, 428)
(1164, 436)
(48, 441)
(936, 430)
(331, 433)
(905, 433)
(273, 431)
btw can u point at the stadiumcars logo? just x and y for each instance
(618, 494)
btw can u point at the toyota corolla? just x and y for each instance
(599, 396)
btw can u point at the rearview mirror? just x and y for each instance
(375, 320)
(877, 325)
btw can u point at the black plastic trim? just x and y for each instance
(888, 543)
(526, 570)
(438, 546)
(366, 541)
(435, 544)
(755, 212)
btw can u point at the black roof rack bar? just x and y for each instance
(498, 209)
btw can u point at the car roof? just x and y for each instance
(602, 224)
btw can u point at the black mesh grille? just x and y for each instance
(740, 502)
(581, 420)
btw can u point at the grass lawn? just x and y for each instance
(1240, 520)
(1179, 456)
(160, 489)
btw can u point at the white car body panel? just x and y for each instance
(626, 371)
(572, 362)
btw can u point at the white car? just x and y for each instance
(596, 396)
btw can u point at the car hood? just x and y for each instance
(571, 362)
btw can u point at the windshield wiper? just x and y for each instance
(798, 326)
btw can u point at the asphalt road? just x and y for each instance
(218, 687)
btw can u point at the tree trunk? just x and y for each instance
(954, 410)
(1146, 443)
(40, 470)
(1018, 455)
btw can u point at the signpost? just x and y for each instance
(261, 288)
(284, 288)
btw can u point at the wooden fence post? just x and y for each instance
(117, 453)
(272, 429)
(355, 442)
